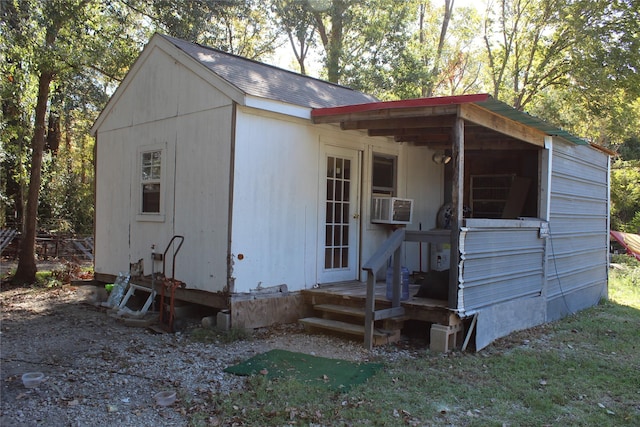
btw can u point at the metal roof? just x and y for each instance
(484, 100)
(509, 112)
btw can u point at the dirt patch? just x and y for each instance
(99, 371)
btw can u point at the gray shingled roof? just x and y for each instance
(266, 81)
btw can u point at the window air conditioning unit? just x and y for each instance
(391, 210)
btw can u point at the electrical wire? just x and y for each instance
(555, 265)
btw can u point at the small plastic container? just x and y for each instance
(32, 379)
(165, 398)
(404, 281)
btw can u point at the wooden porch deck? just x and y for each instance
(353, 294)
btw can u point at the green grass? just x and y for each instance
(626, 281)
(580, 371)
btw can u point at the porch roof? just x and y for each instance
(428, 121)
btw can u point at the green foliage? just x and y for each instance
(80, 41)
(625, 196)
(296, 19)
(605, 57)
(371, 53)
(630, 149)
(238, 27)
(529, 53)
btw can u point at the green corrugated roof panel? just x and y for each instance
(509, 112)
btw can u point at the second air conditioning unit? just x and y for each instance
(391, 210)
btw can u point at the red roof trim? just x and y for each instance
(407, 103)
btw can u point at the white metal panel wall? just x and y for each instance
(578, 223)
(498, 265)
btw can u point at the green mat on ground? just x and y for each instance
(334, 374)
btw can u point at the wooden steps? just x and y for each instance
(340, 309)
(349, 320)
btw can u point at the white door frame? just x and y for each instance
(339, 216)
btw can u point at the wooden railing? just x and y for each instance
(392, 247)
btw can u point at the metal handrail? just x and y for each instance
(175, 252)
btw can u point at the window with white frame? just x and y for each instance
(383, 180)
(150, 181)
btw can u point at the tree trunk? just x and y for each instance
(26, 271)
(332, 42)
(435, 71)
(335, 43)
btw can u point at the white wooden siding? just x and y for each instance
(275, 203)
(164, 103)
(202, 197)
(425, 185)
(157, 88)
(113, 202)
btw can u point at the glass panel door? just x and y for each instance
(339, 236)
(337, 207)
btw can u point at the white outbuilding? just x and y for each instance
(279, 186)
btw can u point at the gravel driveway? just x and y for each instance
(99, 372)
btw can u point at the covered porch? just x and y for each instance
(497, 177)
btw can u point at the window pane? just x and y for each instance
(151, 198)
(336, 235)
(347, 169)
(384, 174)
(338, 168)
(151, 165)
(330, 167)
(338, 190)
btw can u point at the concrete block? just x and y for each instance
(223, 320)
(444, 338)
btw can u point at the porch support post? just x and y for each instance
(457, 205)
(369, 309)
(396, 287)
